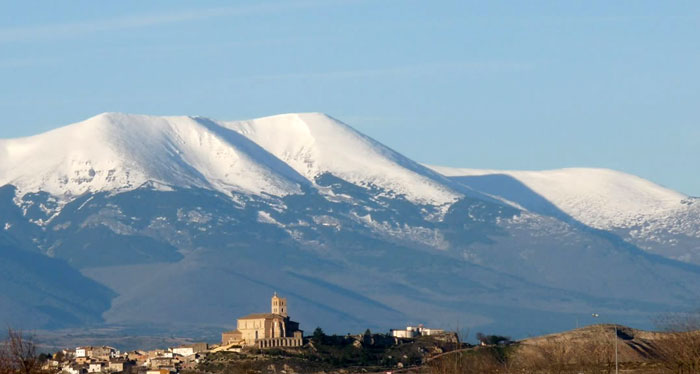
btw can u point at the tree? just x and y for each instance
(59, 356)
(5, 367)
(492, 339)
(318, 336)
(18, 355)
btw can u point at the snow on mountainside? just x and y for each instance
(354, 233)
(600, 198)
(314, 143)
(653, 217)
(273, 155)
(118, 152)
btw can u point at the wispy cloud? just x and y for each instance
(23, 62)
(68, 30)
(98, 52)
(407, 70)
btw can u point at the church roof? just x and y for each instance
(262, 316)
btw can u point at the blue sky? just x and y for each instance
(488, 84)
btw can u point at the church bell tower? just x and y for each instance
(279, 305)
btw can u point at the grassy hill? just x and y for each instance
(591, 349)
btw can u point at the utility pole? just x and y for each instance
(617, 368)
(615, 337)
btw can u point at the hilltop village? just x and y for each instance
(272, 343)
(254, 335)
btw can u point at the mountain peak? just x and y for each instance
(273, 155)
(298, 115)
(316, 143)
(601, 198)
(118, 151)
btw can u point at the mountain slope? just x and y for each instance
(202, 220)
(518, 275)
(653, 217)
(40, 292)
(599, 198)
(314, 144)
(117, 152)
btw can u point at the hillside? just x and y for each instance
(633, 345)
(593, 349)
(40, 292)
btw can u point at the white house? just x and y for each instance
(102, 353)
(74, 370)
(427, 331)
(96, 367)
(190, 349)
(413, 331)
(183, 351)
(408, 332)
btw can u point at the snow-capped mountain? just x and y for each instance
(314, 143)
(190, 222)
(653, 217)
(118, 152)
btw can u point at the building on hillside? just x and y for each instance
(190, 349)
(427, 332)
(160, 362)
(158, 371)
(83, 351)
(82, 360)
(121, 365)
(266, 330)
(100, 353)
(413, 331)
(50, 365)
(96, 367)
(75, 369)
(66, 354)
(140, 357)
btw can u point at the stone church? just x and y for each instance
(266, 330)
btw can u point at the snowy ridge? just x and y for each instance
(117, 152)
(278, 155)
(314, 143)
(269, 156)
(599, 198)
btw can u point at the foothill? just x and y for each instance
(259, 342)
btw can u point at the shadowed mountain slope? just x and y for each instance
(650, 216)
(40, 292)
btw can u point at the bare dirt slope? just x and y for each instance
(633, 345)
